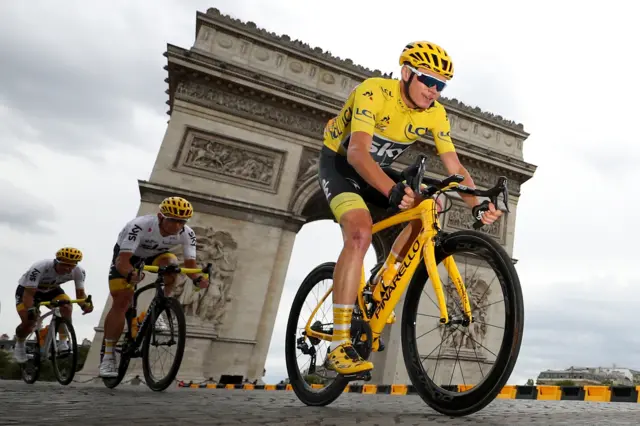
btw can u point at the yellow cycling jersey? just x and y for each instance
(376, 107)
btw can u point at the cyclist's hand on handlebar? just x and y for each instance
(201, 282)
(133, 277)
(87, 307)
(486, 212)
(401, 196)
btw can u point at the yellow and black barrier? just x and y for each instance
(595, 393)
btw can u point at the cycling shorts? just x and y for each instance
(344, 188)
(40, 296)
(118, 282)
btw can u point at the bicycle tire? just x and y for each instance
(168, 303)
(328, 394)
(478, 397)
(123, 365)
(35, 361)
(57, 322)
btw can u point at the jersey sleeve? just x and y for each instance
(367, 101)
(79, 275)
(188, 238)
(132, 235)
(442, 134)
(33, 276)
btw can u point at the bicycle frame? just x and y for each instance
(157, 284)
(423, 247)
(54, 312)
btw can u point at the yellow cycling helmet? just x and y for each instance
(176, 208)
(424, 54)
(69, 255)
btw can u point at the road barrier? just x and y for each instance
(540, 392)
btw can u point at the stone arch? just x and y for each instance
(247, 111)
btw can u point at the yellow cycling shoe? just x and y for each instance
(345, 360)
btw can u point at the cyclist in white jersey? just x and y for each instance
(148, 237)
(42, 282)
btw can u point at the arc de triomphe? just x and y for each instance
(247, 109)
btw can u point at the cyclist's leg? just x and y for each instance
(340, 185)
(164, 259)
(114, 321)
(65, 310)
(23, 329)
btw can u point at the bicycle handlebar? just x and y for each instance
(56, 303)
(173, 269)
(452, 183)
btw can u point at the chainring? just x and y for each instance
(360, 330)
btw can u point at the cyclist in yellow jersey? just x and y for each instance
(381, 118)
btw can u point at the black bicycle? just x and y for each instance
(45, 343)
(142, 333)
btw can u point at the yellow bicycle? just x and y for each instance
(141, 332)
(431, 247)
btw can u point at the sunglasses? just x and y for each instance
(428, 80)
(174, 220)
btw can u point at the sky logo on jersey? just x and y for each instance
(385, 150)
(192, 237)
(34, 275)
(133, 234)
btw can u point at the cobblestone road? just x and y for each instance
(51, 404)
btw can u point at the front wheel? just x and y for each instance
(460, 339)
(64, 357)
(176, 328)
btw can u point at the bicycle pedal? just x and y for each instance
(365, 376)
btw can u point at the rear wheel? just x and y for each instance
(303, 384)
(30, 370)
(479, 393)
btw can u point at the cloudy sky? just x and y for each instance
(82, 115)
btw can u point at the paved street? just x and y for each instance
(51, 404)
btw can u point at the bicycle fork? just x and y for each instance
(454, 275)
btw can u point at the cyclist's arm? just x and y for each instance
(129, 246)
(363, 124)
(27, 297)
(189, 249)
(31, 283)
(79, 276)
(450, 159)
(123, 263)
(452, 164)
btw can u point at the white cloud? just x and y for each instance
(82, 115)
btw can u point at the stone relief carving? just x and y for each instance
(470, 339)
(459, 217)
(216, 157)
(326, 56)
(209, 305)
(308, 165)
(260, 110)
